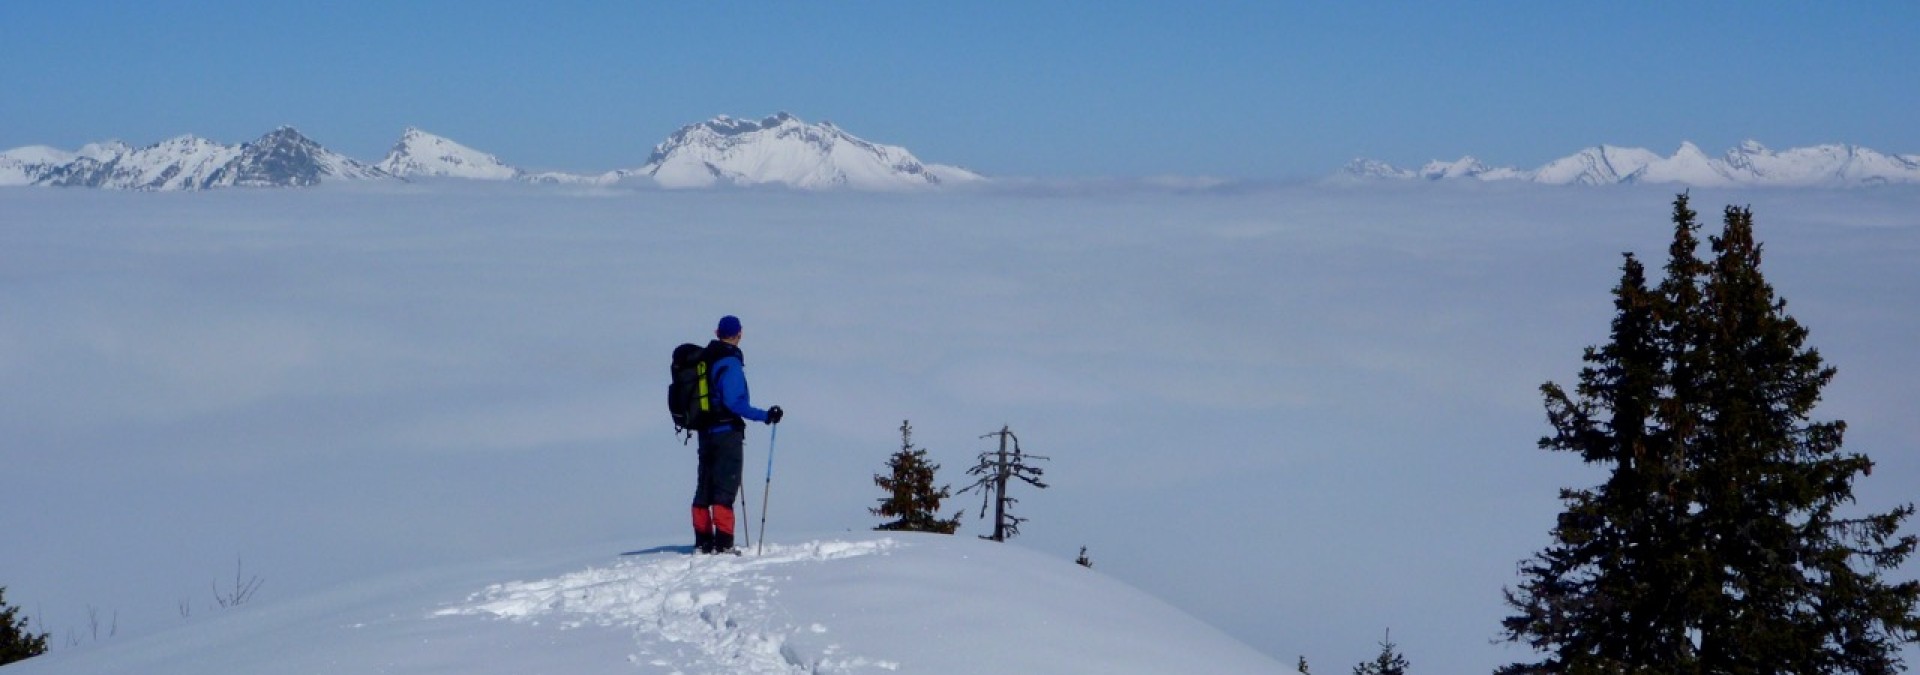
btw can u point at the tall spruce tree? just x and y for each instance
(16, 642)
(1714, 545)
(912, 501)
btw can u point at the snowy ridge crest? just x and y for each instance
(1750, 164)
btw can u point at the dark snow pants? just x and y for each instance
(721, 458)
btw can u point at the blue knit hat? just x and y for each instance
(729, 327)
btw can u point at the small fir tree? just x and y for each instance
(912, 501)
(1389, 662)
(16, 642)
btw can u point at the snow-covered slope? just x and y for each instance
(1822, 165)
(180, 163)
(1751, 164)
(37, 164)
(1688, 166)
(1601, 165)
(784, 150)
(849, 604)
(24, 166)
(1465, 167)
(419, 153)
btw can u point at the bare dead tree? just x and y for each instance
(994, 470)
(243, 587)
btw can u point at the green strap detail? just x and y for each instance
(704, 394)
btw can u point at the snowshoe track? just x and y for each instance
(697, 614)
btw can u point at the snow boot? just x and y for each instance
(723, 543)
(703, 542)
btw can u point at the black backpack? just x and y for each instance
(689, 397)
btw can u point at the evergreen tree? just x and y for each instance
(912, 501)
(1714, 544)
(1595, 595)
(1389, 662)
(1801, 587)
(16, 642)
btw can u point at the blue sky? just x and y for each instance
(1236, 89)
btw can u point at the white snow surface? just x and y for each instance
(1750, 165)
(419, 153)
(853, 603)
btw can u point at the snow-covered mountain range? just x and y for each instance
(1751, 164)
(283, 157)
(778, 150)
(784, 150)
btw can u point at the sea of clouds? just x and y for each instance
(1304, 413)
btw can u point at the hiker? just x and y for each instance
(722, 433)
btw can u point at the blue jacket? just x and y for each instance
(730, 378)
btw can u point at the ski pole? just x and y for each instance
(767, 492)
(745, 511)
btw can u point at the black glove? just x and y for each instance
(774, 414)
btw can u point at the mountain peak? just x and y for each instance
(1688, 149)
(284, 134)
(285, 157)
(419, 153)
(782, 149)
